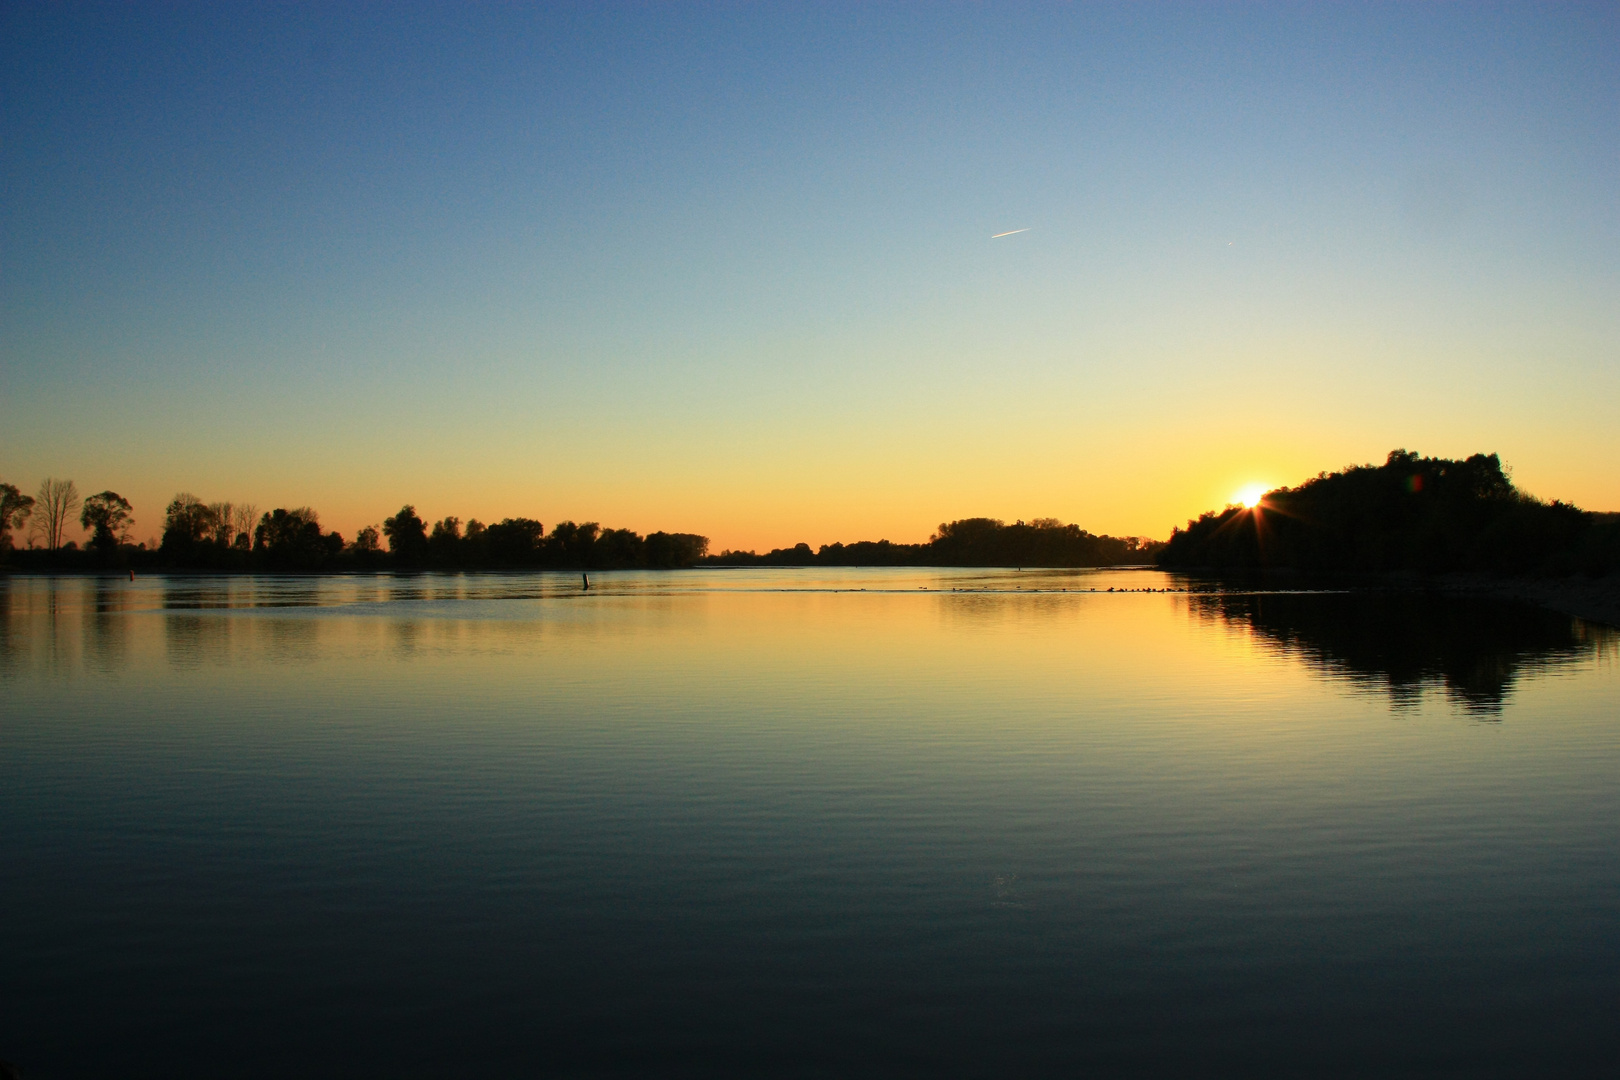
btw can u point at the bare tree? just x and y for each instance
(57, 501)
(244, 516)
(223, 517)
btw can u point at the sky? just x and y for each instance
(728, 269)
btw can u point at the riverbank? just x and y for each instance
(1592, 599)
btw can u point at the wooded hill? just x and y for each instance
(1412, 513)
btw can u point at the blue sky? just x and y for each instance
(728, 268)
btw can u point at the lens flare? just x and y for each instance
(1250, 495)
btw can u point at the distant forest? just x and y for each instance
(1427, 515)
(968, 542)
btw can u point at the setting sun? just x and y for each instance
(1250, 495)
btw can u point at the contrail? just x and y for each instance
(999, 235)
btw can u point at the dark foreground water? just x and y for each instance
(762, 823)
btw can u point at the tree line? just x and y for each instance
(1412, 513)
(967, 542)
(226, 536)
(105, 515)
(223, 536)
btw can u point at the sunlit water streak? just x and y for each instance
(802, 822)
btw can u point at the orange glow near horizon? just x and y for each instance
(899, 490)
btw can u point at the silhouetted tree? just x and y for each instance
(667, 551)
(969, 541)
(55, 504)
(15, 507)
(244, 518)
(444, 544)
(407, 536)
(366, 551)
(475, 544)
(107, 515)
(573, 545)
(292, 540)
(223, 517)
(188, 526)
(368, 540)
(511, 541)
(619, 547)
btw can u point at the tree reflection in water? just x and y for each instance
(1402, 643)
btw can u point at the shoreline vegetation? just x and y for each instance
(1455, 524)
(231, 538)
(1043, 542)
(1411, 514)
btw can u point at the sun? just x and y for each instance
(1250, 495)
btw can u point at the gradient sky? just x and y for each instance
(728, 269)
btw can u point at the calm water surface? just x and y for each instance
(802, 823)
